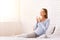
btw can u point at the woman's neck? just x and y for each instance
(43, 19)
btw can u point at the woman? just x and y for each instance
(42, 24)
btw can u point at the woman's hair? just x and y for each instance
(45, 10)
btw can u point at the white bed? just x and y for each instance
(51, 37)
(20, 38)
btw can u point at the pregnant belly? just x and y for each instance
(39, 30)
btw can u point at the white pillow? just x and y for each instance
(48, 32)
(50, 29)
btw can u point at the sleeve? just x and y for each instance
(45, 27)
(35, 26)
(47, 24)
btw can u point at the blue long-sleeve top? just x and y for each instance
(41, 27)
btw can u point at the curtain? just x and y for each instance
(9, 10)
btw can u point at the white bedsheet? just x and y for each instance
(20, 38)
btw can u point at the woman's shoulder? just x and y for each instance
(48, 20)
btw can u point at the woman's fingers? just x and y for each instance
(38, 19)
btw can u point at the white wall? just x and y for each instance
(10, 28)
(31, 8)
(26, 15)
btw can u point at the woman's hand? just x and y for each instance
(38, 19)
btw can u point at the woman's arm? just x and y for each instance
(37, 21)
(35, 26)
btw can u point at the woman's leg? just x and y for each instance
(31, 35)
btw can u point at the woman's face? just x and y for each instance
(42, 12)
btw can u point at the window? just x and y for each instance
(9, 10)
